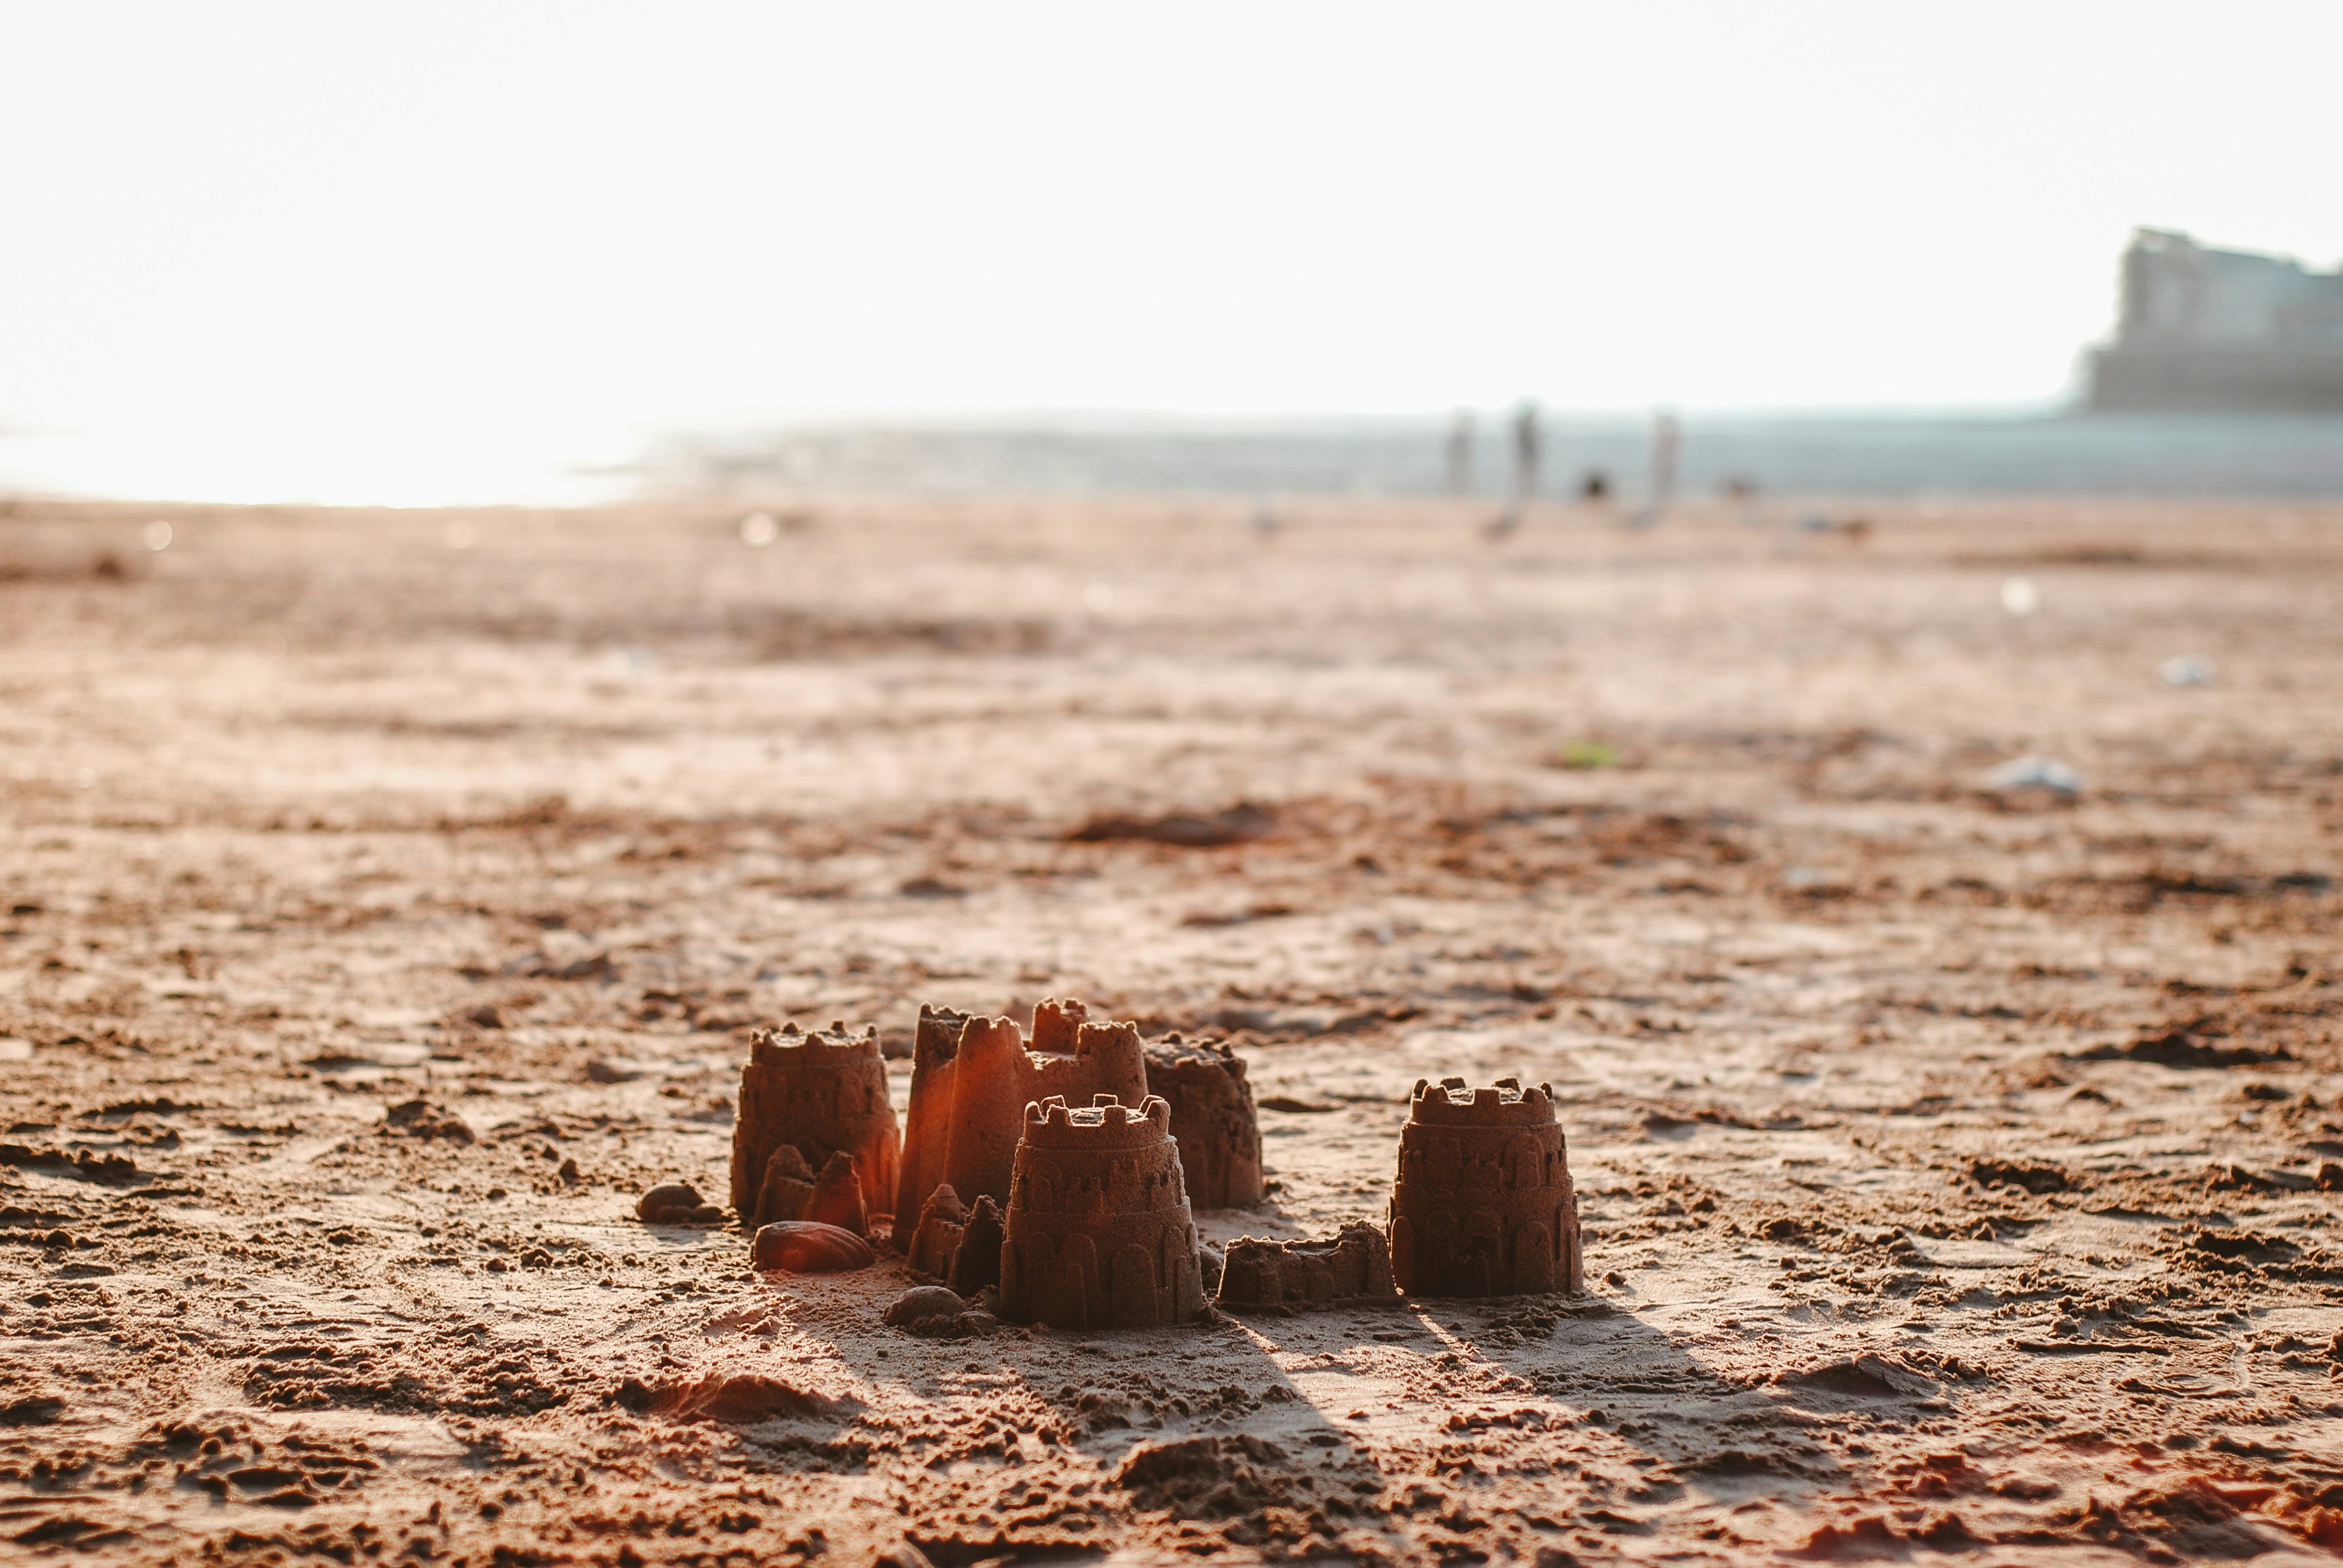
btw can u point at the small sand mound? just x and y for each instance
(1209, 1477)
(1865, 1377)
(421, 1119)
(742, 1400)
(2033, 1175)
(1239, 824)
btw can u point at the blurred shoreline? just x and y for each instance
(1812, 454)
(1806, 455)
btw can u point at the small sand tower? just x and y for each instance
(1098, 1234)
(971, 1079)
(1212, 1119)
(1484, 1205)
(816, 1094)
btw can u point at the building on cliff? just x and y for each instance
(2219, 331)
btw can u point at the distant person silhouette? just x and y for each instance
(1666, 440)
(1527, 441)
(1459, 452)
(1743, 490)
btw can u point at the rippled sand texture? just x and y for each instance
(1958, 1166)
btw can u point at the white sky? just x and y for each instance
(415, 252)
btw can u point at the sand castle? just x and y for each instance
(805, 1097)
(1484, 1205)
(1355, 1266)
(972, 1078)
(1098, 1232)
(1213, 1120)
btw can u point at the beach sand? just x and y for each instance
(1958, 1166)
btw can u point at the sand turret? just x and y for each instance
(932, 1245)
(1098, 1234)
(820, 1094)
(1213, 1120)
(972, 1078)
(976, 1263)
(1484, 1205)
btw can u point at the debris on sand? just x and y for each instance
(2023, 773)
(1213, 1120)
(677, 1203)
(421, 1119)
(1586, 755)
(809, 1246)
(971, 1086)
(1213, 1261)
(1353, 1266)
(1240, 824)
(1483, 1204)
(2186, 670)
(1098, 1234)
(822, 1094)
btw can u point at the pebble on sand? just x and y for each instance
(677, 1203)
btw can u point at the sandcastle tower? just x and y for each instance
(972, 1078)
(1213, 1120)
(1484, 1205)
(927, 1121)
(819, 1094)
(1098, 1234)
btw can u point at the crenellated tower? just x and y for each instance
(1097, 1234)
(1483, 1204)
(972, 1078)
(817, 1095)
(1212, 1118)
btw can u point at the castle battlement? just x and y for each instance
(1106, 1123)
(835, 1039)
(1504, 1104)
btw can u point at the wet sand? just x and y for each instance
(1959, 1167)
